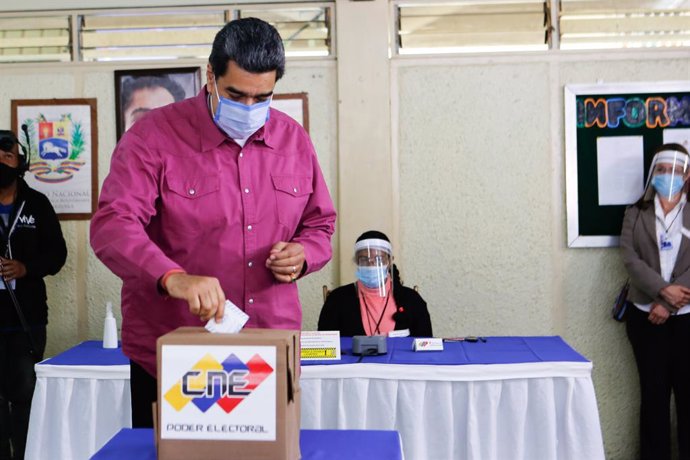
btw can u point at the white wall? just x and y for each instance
(482, 214)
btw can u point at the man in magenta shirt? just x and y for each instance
(210, 198)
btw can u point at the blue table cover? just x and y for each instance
(495, 350)
(89, 353)
(138, 444)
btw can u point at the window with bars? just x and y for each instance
(149, 36)
(35, 39)
(157, 34)
(305, 31)
(472, 26)
(624, 24)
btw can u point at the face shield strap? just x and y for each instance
(374, 243)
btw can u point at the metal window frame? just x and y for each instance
(230, 10)
(550, 23)
(553, 31)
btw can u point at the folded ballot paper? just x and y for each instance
(233, 321)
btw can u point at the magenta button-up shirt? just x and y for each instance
(180, 194)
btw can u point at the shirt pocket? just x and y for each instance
(292, 194)
(192, 203)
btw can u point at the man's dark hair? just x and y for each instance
(136, 83)
(253, 44)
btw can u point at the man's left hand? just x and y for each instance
(286, 261)
(12, 269)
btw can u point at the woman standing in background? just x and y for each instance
(655, 244)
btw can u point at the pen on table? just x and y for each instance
(471, 339)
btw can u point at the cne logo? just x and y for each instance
(210, 382)
(26, 220)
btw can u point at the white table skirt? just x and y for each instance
(530, 411)
(76, 410)
(536, 411)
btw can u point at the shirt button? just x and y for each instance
(249, 227)
(241, 154)
(251, 301)
(191, 191)
(246, 190)
(250, 264)
(294, 189)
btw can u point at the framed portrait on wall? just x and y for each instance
(139, 91)
(296, 105)
(63, 152)
(611, 131)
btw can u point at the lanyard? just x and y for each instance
(370, 318)
(663, 223)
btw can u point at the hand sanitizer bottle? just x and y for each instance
(109, 328)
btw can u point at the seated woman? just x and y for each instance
(377, 303)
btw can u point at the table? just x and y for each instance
(506, 398)
(82, 398)
(511, 397)
(138, 444)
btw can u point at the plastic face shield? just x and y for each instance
(666, 162)
(373, 258)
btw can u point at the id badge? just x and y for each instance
(13, 285)
(665, 244)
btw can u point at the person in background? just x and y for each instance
(213, 197)
(140, 95)
(377, 303)
(656, 252)
(31, 247)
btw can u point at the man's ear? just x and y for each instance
(210, 78)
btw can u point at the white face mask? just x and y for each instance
(237, 120)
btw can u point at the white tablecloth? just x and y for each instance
(532, 411)
(527, 410)
(76, 410)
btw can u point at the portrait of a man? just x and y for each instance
(140, 91)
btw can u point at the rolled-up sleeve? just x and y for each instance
(126, 206)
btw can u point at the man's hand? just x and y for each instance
(286, 261)
(676, 295)
(12, 269)
(658, 314)
(204, 295)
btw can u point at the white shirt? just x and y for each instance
(668, 225)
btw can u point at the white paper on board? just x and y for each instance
(679, 136)
(620, 169)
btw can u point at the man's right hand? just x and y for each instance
(676, 295)
(204, 295)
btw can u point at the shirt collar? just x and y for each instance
(659, 210)
(211, 136)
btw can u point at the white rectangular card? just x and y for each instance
(428, 345)
(233, 321)
(320, 345)
(399, 333)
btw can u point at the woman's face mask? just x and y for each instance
(372, 277)
(667, 184)
(237, 120)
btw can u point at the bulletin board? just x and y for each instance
(611, 131)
